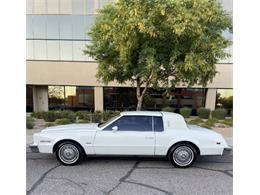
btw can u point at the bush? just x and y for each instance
(209, 123)
(29, 123)
(51, 116)
(219, 113)
(38, 115)
(228, 122)
(185, 112)
(50, 124)
(109, 114)
(168, 109)
(196, 121)
(68, 115)
(203, 113)
(83, 121)
(62, 121)
(96, 117)
(84, 115)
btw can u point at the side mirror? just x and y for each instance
(115, 128)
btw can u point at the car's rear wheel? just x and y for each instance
(69, 153)
(182, 155)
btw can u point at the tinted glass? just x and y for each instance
(158, 123)
(132, 123)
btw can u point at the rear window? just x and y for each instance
(158, 123)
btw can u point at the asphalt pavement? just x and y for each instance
(117, 176)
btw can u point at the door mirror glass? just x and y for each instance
(115, 128)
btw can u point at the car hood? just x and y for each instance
(71, 127)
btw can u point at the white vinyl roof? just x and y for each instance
(142, 113)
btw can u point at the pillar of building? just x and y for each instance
(40, 98)
(211, 99)
(99, 99)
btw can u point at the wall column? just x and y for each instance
(99, 99)
(40, 98)
(211, 99)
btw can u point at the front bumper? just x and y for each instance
(34, 148)
(227, 151)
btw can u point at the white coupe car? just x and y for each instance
(136, 133)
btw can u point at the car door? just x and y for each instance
(134, 136)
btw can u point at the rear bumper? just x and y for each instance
(227, 151)
(34, 148)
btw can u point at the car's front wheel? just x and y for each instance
(69, 153)
(182, 155)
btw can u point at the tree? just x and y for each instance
(162, 43)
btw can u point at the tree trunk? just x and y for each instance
(140, 95)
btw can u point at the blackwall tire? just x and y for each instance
(182, 155)
(69, 153)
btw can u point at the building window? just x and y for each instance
(224, 99)
(71, 98)
(29, 98)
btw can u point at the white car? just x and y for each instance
(135, 133)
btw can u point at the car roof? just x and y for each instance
(142, 113)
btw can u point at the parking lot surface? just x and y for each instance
(117, 176)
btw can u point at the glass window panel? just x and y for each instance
(90, 6)
(65, 7)
(29, 27)
(85, 98)
(132, 123)
(53, 50)
(56, 97)
(158, 123)
(39, 7)
(52, 26)
(224, 98)
(40, 50)
(29, 50)
(66, 50)
(29, 6)
(78, 7)
(70, 97)
(39, 27)
(89, 21)
(78, 54)
(79, 29)
(29, 98)
(65, 27)
(87, 57)
(53, 6)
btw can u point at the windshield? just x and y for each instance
(108, 121)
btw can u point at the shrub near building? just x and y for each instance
(203, 113)
(219, 113)
(185, 112)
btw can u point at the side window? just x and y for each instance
(132, 123)
(158, 123)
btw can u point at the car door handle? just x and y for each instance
(149, 137)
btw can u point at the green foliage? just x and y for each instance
(51, 116)
(151, 42)
(225, 102)
(185, 112)
(228, 122)
(196, 121)
(62, 121)
(109, 114)
(38, 115)
(168, 109)
(203, 113)
(209, 123)
(219, 113)
(83, 121)
(29, 123)
(50, 124)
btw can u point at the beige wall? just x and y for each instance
(83, 74)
